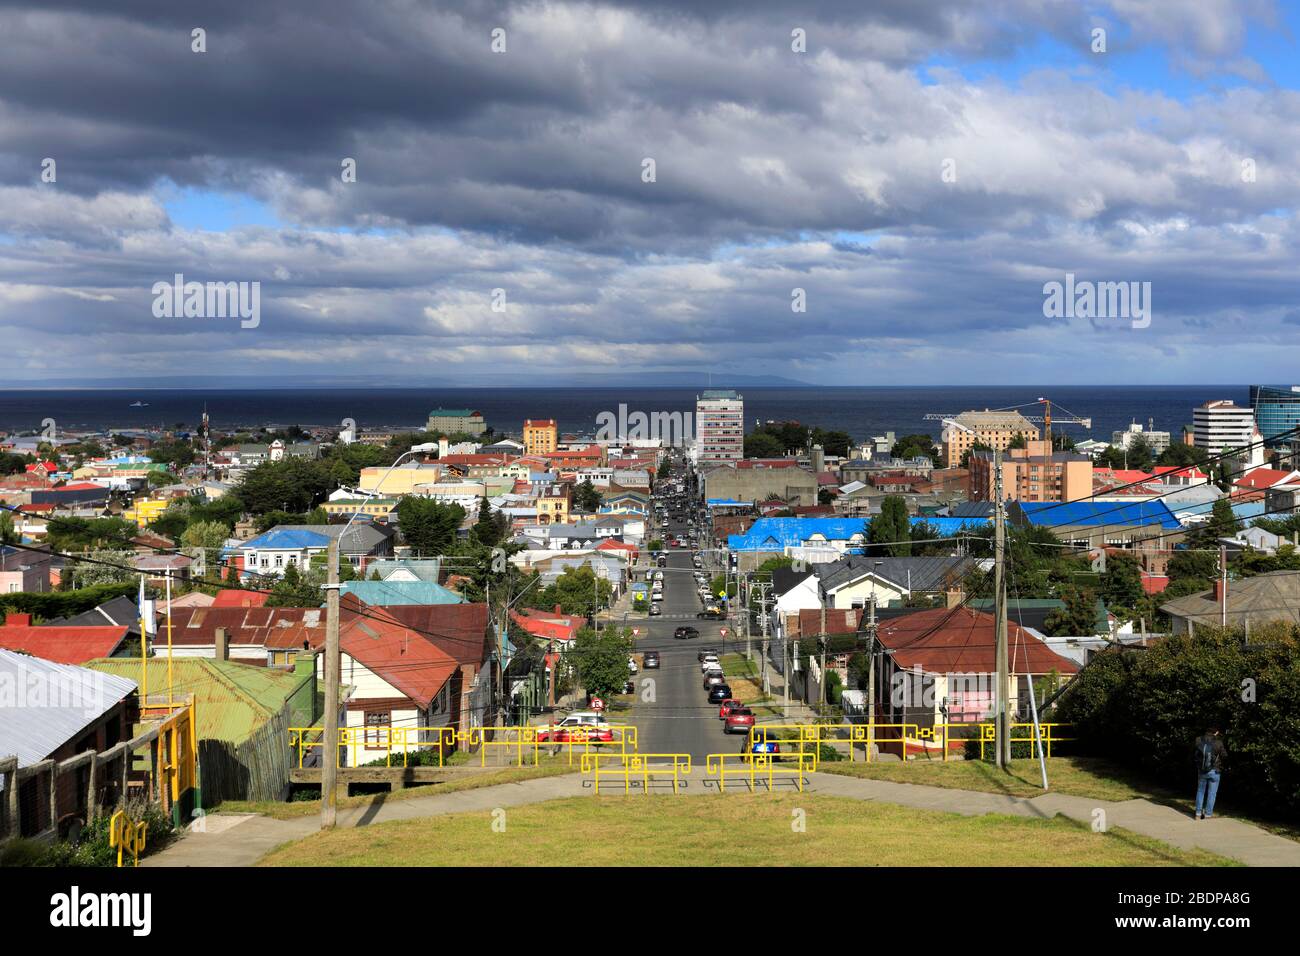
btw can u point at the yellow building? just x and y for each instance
(553, 505)
(541, 436)
(145, 512)
(400, 481)
(361, 506)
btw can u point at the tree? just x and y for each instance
(208, 535)
(914, 446)
(601, 660)
(1139, 453)
(429, 526)
(104, 567)
(491, 526)
(891, 525)
(824, 496)
(1078, 617)
(1017, 441)
(576, 591)
(586, 498)
(965, 456)
(1121, 584)
(8, 535)
(1180, 455)
(762, 444)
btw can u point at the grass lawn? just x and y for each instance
(1074, 776)
(744, 679)
(462, 780)
(683, 831)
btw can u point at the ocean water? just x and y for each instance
(861, 411)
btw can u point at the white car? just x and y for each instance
(631, 665)
(710, 663)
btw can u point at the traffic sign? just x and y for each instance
(722, 631)
(597, 704)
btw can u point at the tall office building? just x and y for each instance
(1219, 426)
(1277, 410)
(719, 426)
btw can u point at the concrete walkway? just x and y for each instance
(242, 840)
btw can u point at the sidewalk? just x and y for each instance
(243, 840)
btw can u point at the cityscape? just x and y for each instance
(542, 435)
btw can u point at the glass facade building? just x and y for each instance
(1276, 410)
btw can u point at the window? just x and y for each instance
(376, 732)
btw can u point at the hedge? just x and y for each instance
(57, 604)
(1145, 708)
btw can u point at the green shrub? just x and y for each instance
(1145, 708)
(93, 849)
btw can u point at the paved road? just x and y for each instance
(680, 719)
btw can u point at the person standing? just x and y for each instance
(1210, 758)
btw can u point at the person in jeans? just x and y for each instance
(1210, 756)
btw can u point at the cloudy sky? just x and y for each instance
(918, 169)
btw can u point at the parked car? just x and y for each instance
(704, 651)
(631, 665)
(739, 721)
(761, 747)
(584, 721)
(727, 707)
(651, 660)
(713, 678)
(655, 610)
(718, 693)
(710, 614)
(709, 663)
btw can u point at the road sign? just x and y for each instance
(597, 704)
(722, 631)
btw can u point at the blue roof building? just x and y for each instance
(395, 593)
(1094, 514)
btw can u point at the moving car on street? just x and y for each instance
(651, 660)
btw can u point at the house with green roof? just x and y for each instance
(242, 716)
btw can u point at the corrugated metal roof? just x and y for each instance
(47, 704)
(232, 700)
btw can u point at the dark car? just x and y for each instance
(704, 651)
(685, 633)
(711, 614)
(718, 693)
(651, 660)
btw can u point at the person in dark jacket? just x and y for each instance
(1210, 755)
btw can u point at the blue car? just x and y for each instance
(761, 747)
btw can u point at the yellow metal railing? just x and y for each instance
(767, 768)
(635, 766)
(941, 736)
(125, 834)
(363, 744)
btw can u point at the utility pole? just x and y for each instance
(1002, 750)
(1223, 586)
(762, 609)
(333, 665)
(871, 673)
(821, 682)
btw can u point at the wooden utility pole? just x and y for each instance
(821, 640)
(333, 666)
(1223, 586)
(1003, 744)
(871, 673)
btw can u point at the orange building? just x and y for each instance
(1032, 473)
(541, 436)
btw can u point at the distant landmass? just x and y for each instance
(571, 380)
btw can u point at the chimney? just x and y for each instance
(1218, 590)
(953, 597)
(222, 642)
(557, 609)
(14, 619)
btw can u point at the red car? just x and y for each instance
(562, 735)
(727, 707)
(740, 720)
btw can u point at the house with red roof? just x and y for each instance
(1257, 483)
(62, 645)
(403, 690)
(236, 597)
(939, 665)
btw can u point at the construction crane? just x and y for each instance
(1063, 415)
